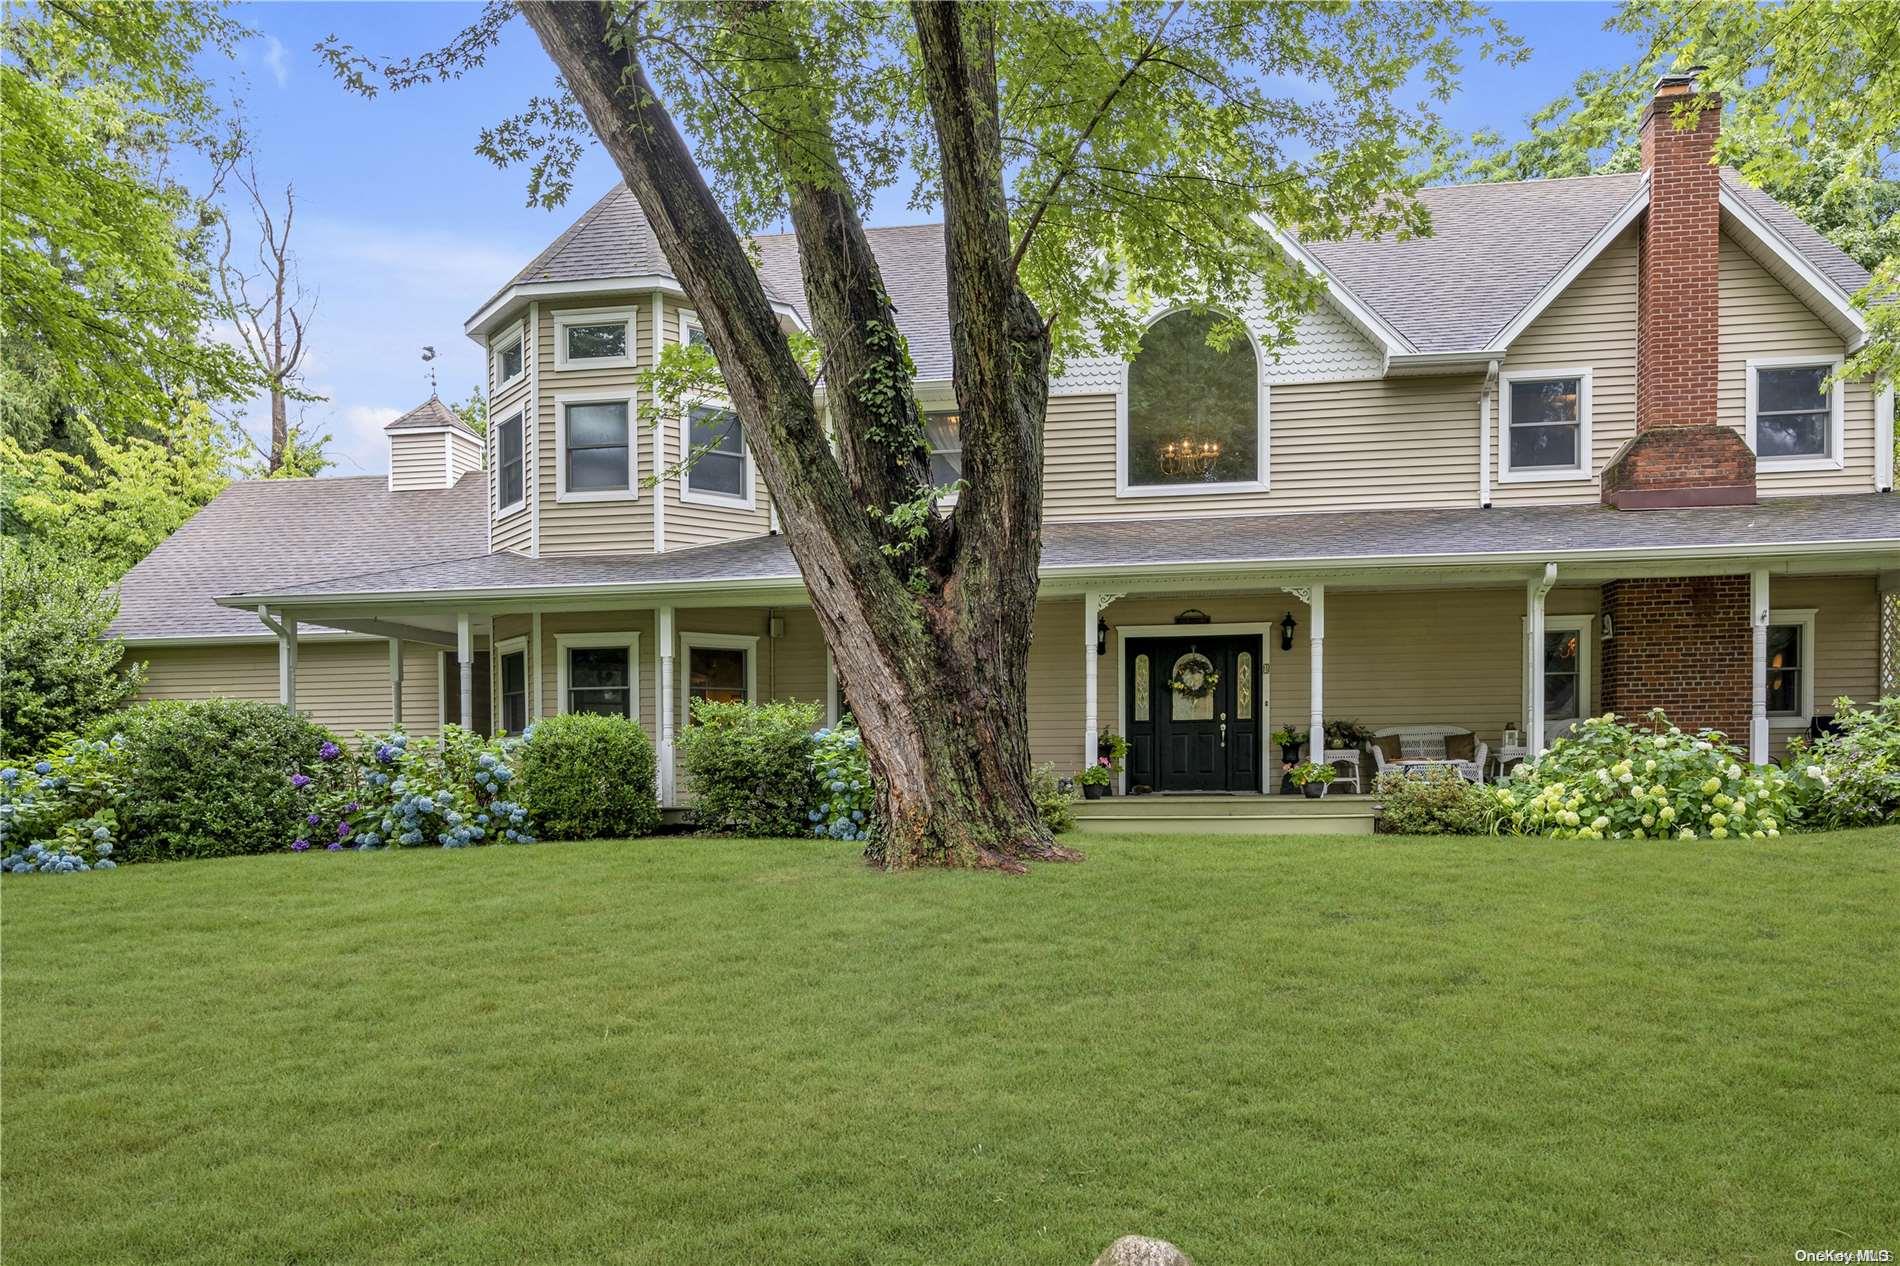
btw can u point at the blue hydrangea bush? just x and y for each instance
(1612, 781)
(59, 815)
(846, 794)
(402, 792)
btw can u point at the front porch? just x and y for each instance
(1191, 814)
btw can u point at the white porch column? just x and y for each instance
(465, 661)
(1091, 720)
(1758, 662)
(1534, 596)
(664, 702)
(1316, 635)
(395, 683)
(534, 662)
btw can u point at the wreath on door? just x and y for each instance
(1194, 676)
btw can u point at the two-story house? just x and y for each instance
(1579, 450)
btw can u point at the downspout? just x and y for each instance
(1883, 440)
(659, 437)
(1484, 436)
(286, 631)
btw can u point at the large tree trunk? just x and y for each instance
(930, 635)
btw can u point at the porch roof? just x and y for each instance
(1863, 526)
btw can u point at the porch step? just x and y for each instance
(1227, 815)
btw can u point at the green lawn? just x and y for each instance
(728, 1052)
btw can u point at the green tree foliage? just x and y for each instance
(58, 672)
(106, 301)
(1812, 96)
(107, 505)
(474, 411)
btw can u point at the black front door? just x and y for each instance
(1195, 710)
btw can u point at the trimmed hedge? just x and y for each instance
(1433, 801)
(586, 777)
(751, 767)
(209, 777)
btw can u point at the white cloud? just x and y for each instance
(422, 257)
(276, 60)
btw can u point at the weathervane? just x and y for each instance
(428, 358)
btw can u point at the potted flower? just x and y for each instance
(1111, 748)
(1289, 740)
(1312, 777)
(1093, 780)
(1347, 736)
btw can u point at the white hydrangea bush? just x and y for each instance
(1611, 781)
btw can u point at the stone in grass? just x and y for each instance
(1139, 1250)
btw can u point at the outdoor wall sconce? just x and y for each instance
(1101, 636)
(1609, 628)
(1287, 625)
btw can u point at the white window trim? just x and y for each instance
(689, 321)
(715, 641)
(565, 642)
(1263, 430)
(518, 338)
(1586, 464)
(513, 507)
(1804, 619)
(1836, 456)
(1581, 625)
(561, 401)
(503, 649)
(592, 316)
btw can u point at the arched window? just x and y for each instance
(1193, 411)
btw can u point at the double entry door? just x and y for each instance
(1195, 706)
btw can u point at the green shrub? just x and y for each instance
(751, 766)
(841, 781)
(211, 777)
(587, 777)
(59, 813)
(1055, 806)
(1851, 778)
(1612, 781)
(1433, 801)
(59, 673)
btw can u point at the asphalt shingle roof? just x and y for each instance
(265, 533)
(1870, 521)
(432, 413)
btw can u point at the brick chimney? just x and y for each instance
(1680, 455)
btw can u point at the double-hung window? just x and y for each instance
(597, 450)
(720, 668)
(513, 671)
(510, 480)
(1790, 667)
(1544, 421)
(598, 673)
(1795, 413)
(715, 440)
(944, 433)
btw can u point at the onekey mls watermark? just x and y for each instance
(1844, 1255)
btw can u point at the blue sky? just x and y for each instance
(404, 231)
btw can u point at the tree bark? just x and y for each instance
(930, 635)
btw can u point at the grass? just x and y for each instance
(708, 1051)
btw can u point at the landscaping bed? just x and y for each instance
(699, 1050)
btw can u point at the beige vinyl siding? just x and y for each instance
(582, 527)
(1761, 318)
(343, 685)
(418, 459)
(465, 455)
(692, 523)
(1364, 444)
(1846, 655)
(1592, 325)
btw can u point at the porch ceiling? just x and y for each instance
(1385, 547)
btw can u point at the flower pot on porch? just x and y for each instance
(1314, 790)
(1290, 753)
(1092, 790)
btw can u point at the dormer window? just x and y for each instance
(1795, 414)
(508, 361)
(1544, 418)
(510, 482)
(593, 338)
(1194, 416)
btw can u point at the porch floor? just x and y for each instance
(1186, 813)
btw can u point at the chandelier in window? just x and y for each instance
(1189, 459)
